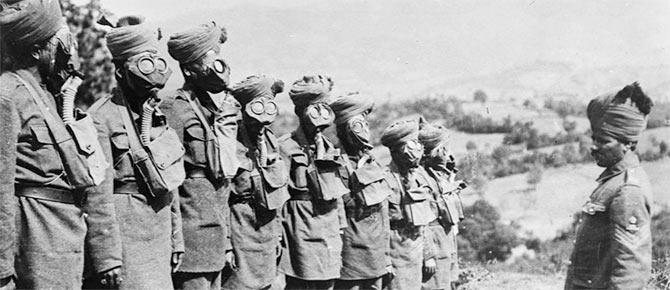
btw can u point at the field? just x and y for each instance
(548, 208)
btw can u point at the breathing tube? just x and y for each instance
(148, 109)
(69, 93)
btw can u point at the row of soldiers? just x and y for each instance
(196, 192)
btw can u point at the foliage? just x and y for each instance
(484, 236)
(480, 96)
(565, 108)
(659, 116)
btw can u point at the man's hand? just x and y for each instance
(429, 266)
(230, 260)
(176, 260)
(111, 278)
(7, 283)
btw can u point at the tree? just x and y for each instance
(471, 145)
(480, 96)
(534, 176)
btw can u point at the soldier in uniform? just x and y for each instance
(366, 237)
(439, 164)
(259, 188)
(147, 157)
(207, 127)
(613, 245)
(314, 214)
(410, 206)
(46, 146)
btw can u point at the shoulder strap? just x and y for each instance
(98, 103)
(201, 117)
(133, 139)
(56, 127)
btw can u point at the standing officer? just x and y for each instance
(314, 214)
(259, 188)
(410, 205)
(366, 237)
(207, 128)
(613, 245)
(147, 158)
(439, 164)
(46, 149)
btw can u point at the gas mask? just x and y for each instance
(358, 133)
(439, 158)
(262, 110)
(408, 154)
(214, 74)
(319, 116)
(60, 60)
(147, 72)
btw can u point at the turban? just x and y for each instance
(29, 22)
(622, 116)
(401, 131)
(351, 105)
(432, 136)
(190, 45)
(132, 36)
(310, 89)
(257, 86)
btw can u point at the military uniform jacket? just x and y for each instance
(312, 226)
(613, 245)
(409, 244)
(151, 228)
(366, 237)
(203, 201)
(255, 229)
(30, 159)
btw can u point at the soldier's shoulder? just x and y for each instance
(287, 143)
(10, 86)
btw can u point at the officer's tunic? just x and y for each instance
(51, 233)
(366, 237)
(409, 244)
(254, 230)
(613, 245)
(150, 227)
(443, 232)
(311, 225)
(203, 200)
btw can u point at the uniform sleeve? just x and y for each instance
(103, 238)
(429, 249)
(631, 241)
(8, 135)
(227, 244)
(177, 233)
(341, 213)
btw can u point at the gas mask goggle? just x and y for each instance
(441, 158)
(359, 132)
(262, 109)
(214, 75)
(148, 71)
(319, 115)
(411, 152)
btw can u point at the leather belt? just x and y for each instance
(126, 188)
(244, 198)
(300, 195)
(196, 173)
(46, 193)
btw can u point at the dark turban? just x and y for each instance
(401, 131)
(432, 136)
(132, 36)
(190, 45)
(311, 89)
(29, 22)
(257, 86)
(351, 105)
(622, 116)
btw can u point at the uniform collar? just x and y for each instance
(629, 160)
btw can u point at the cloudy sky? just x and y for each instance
(396, 46)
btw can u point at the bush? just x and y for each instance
(484, 236)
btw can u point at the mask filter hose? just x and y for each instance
(147, 117)
(68, 93)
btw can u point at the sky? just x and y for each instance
(400, 47)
